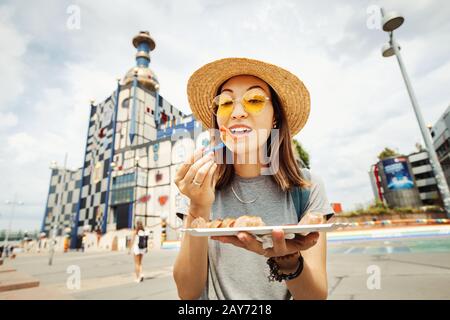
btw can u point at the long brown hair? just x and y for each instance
(288, 173)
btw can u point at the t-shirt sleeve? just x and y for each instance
(318, 200)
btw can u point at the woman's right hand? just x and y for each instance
(196, 180)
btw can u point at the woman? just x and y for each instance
(139, 246)
(242, 97)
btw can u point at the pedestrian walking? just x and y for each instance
(139, 247)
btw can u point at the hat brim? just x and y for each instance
(203, 85)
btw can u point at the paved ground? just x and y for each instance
(408, 269)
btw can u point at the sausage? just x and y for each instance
(216, 223)
(249, 221)
(228, 223)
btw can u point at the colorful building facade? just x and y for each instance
(135, 142)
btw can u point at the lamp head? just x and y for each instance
(391, 21)
(388, 50)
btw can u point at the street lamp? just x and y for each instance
(392, 21)
(13, 205)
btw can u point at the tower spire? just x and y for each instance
(144, 44)
(146, 78)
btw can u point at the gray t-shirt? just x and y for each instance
(235, 273)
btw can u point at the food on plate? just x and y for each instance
(249, 221)
(199, 223)
(229, 222)
(215, 223)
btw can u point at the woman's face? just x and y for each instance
(247, 131)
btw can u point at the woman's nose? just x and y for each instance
(238, 112)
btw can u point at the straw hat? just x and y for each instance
(203, 85)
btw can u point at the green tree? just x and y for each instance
(387, 153)
(300, 152)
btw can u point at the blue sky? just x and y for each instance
(359, 103)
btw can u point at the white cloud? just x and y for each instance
(8, 120)
(13, 46)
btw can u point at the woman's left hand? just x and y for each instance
(281, 246)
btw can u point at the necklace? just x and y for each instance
(237, 197)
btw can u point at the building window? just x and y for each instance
(126, 103)
(124, 195)
(106, 168)
(123, 181)
(428, 188)
(69, 196)
(420, 163)
(83, 203)
(424, 175)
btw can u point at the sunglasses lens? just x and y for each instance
(254, 101)
(223, 105)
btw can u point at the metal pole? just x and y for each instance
(434, 161)
(55, 225)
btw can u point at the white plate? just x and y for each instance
(300, 229)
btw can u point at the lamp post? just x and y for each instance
(13, 205)
(392, 21)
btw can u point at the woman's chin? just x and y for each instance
(242, 148)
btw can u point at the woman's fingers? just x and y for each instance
(210, 178)
(183, 169)
(281, 247)
(229, 239)
(242, 240)
(279, 243)
(194, 168)
(251, 243)
(202, 172)
(304, 242)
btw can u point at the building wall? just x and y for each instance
(398, 197)
(98, 153)
(425, 179)
(62, 200)
(441, 140)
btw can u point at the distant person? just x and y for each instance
(66, 243)
(99, 235)
(83, 242)
(40, 244)
(139, 246)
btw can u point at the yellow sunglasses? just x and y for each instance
(253, 102)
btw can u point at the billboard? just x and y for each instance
(397, 174)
